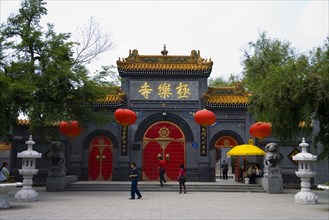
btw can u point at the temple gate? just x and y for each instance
(167, 139)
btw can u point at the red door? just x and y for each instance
(100, 158)
(167, 139)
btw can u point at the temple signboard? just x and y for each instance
(164, 90)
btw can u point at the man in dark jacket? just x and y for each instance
(134, 181)
(224, 170)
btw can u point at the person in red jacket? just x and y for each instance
(162, 169)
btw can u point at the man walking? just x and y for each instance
(134, 181)
(224, 169)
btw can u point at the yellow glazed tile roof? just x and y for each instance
(157, 62)
(111, 98)
(112, 101)
(27, 122)
(23, 121)
(165, 66)
(226, 97)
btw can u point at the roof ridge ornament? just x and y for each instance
(164, 52)
(163, 63)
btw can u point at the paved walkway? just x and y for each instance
(230, 182)
(89, 205)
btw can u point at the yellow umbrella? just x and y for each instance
(244, 150)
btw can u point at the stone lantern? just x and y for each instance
(27, 193)
(305, 172)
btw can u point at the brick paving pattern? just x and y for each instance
(88, 205)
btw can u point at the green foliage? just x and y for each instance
(319, 91)
(107, 76)
(221, 82)
(6, 117)
(39, 75)
(288, 88)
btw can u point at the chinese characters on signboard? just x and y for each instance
(203, 137)
(166, 90)
(124, 136)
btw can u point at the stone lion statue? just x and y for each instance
(56, 157)
(272, 156)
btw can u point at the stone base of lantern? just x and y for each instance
(56, 183)
(4, 202)
(26, 195)
(4, 189)
(306, 198)
(273, 183)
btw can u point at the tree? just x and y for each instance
(288, 89)
(221, 82)
(91, 41)
(40, 74)
(107, 76)
(318, 89)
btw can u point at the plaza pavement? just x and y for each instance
(102, 205)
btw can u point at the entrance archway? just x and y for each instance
(100, 158)
(167, 139)
(222, 146)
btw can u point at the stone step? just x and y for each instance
(171, 186)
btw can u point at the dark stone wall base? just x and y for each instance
(56, 184)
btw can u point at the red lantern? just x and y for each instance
(260, 129)
(125, 116)
(204, 117)
(70, 129)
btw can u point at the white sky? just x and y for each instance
(219, 29)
